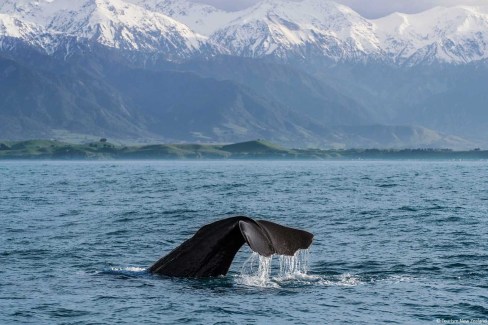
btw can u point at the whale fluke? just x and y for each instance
(212, 249)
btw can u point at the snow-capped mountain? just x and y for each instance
(112, 23)
(453, 35)
(11, 26)
(15, 31)
(39, 12)
(290, 28)
(307, 28)
(283, 29)
(201, 18)
(185, 71)
(122, 25)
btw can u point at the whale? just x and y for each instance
(210, 252)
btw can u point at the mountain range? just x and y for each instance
(307, 73)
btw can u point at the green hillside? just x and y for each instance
(258, 149)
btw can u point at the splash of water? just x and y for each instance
(258, 270)
(293, 266)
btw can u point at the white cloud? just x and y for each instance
(368, 8)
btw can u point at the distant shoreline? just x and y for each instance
(251, 150)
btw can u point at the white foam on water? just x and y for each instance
(343, 280)
(128, 269)
(259, 271)
(351, 280)
(395, 279)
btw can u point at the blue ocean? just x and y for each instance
(397, 242)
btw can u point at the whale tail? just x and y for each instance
(212, 249)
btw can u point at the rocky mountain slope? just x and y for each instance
(300, 73)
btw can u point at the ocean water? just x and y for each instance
(400, 242)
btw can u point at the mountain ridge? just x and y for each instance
(311, 73)
(272, 28)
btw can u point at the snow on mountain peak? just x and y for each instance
(36, 11)
(453, 34)
(203, 19)
(281, 28)
(284, 29)
(122, 25)
(14, 27)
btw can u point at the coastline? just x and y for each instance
(251, 150)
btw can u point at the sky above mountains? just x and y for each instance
(367, 8)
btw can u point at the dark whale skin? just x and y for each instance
(212, 249)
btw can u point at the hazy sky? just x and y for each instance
(368, 8)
